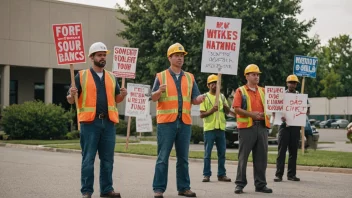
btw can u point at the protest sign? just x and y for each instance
(69, 43)
(137, 101)
(144, 124)
(195, 110)
(295, 109)
(221, 45)
(124, 62)
(274, 98)
(305, 66)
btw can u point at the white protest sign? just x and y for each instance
(221, 45)
(195, 110)
(137, 101)
(274, 98)
(124, 62)
(295, 109)
(144, 124)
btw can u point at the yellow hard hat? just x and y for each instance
(174, 48)
(292, 78)
(252, 68)
(212, 78)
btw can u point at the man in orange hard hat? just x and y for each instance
(174, 91)
(253, 123)
(214, 129)
(288, 138)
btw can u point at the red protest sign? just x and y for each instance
(69, 43)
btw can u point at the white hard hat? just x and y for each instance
(97, 47)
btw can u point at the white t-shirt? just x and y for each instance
(100, 74)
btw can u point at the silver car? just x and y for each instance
(340, 123)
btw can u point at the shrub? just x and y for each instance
(72, 135)
(197, 134)
(35, 120)
(121, 127)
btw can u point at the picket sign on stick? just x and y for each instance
(217, 99)
(69, 47)
(302, 128)
(129, 119)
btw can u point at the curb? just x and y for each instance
(302, 168)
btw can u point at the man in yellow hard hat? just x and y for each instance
(288, 138)
(98, 94)
(253, 125)
(214, 129)
(174, 91)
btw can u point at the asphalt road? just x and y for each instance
(42, 174)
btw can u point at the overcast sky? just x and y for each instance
(334, 17)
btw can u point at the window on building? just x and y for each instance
(59, 93)
(13, 92)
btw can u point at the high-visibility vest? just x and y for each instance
(246, 122)
(167, 105)
(88, 98)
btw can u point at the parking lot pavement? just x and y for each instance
(42, 174)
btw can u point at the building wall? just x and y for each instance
(26, 36)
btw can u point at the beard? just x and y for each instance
(100, 63)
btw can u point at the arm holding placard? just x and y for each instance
(196, 97)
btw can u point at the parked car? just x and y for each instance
(326, 123)
(231, 132)
(341, 123)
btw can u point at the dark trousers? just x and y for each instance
(253, 139)
(288, 138)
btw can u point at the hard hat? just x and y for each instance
(252, 68)
(174, 48)
(212, 78)
(98, 47)
(292, 78)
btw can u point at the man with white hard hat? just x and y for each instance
(98, 92)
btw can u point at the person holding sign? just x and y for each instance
(288, 137)
(253, 123)
(214, 130)
(98, 92)
(175, 91)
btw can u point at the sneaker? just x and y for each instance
(206, 179)
(187, 193)
(224, 179)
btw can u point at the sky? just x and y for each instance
(333, 16)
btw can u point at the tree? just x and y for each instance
(334, 68)
(271, 35)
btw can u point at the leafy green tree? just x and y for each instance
(271, 35)
(334, 66)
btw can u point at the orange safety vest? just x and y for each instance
(167, 105)
(246, 122)
(88, 98)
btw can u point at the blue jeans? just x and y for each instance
(219, 137)
(100, 135)
(169, 133)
